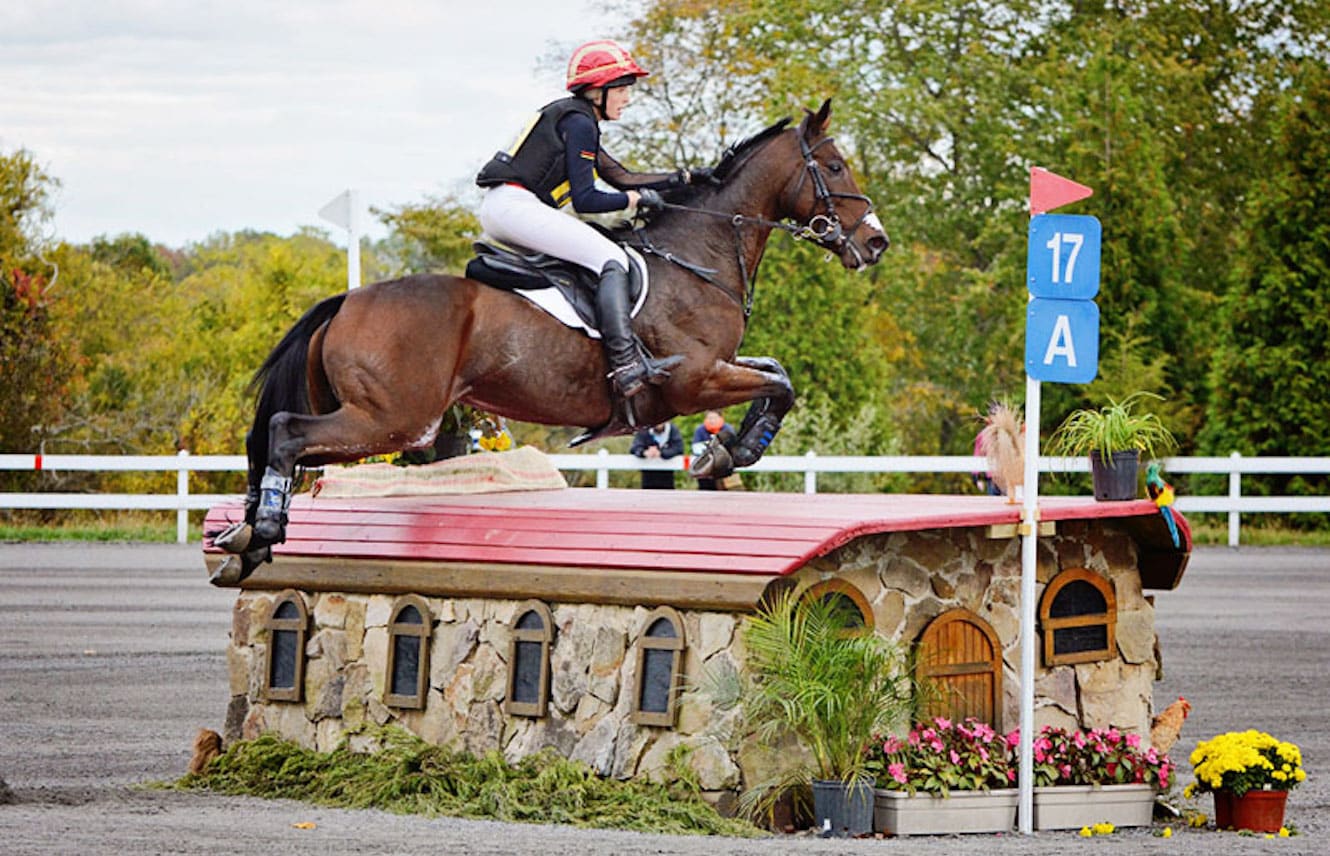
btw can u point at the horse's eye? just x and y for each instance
(836, 167)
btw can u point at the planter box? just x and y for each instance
(899, 813)
(1074, 806)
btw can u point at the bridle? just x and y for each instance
(823, 229)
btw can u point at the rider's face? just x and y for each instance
(616, 98)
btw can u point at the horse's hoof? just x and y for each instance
(714, 462)
(234, 538)
(229, 573)
(236, 569)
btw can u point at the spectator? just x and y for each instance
(713, 425)
(659, 441)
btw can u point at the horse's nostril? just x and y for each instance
(878, 244)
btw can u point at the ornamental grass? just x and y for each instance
(406, 775)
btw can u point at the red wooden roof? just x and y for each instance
(682, 530)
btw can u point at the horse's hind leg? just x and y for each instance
(347, 434)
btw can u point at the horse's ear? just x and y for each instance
(815, 124)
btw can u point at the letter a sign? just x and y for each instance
(1062, 273)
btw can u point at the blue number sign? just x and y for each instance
(1062, 340)
(1063, 256)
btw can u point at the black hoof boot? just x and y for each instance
(713, 463)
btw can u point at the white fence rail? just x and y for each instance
(603, 463)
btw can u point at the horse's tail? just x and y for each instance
(281, 382)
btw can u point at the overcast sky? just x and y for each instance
(180, 118)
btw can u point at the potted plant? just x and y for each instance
(812, 675)
(944, 777)
(1250, 774)
(1098, 776)
(1113, 437)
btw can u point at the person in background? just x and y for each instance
(659, 441)
(713, 424)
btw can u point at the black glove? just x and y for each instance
(649, 200)
(702, 175)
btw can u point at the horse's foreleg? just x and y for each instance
(763, 419)
(761, 380)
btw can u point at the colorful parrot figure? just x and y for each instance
(1162, 494)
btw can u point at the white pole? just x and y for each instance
(1029, 572)
(353, 240)
(182, 492)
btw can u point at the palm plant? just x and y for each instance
(811, 674)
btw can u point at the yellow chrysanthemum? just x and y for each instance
(1167, 833)
(1299, 775)
(1283, 832)
(1085, 832)
(1104, 828)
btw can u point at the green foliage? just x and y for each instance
(435, 235)
(808, 675)
(409, 776)
(1115, 427)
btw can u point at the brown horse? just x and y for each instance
(372, 371)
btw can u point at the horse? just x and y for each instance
(372, 371)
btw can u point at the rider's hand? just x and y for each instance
(648, 200)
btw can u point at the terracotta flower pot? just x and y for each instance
(1258, 811)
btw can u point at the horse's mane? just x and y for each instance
(737, 153)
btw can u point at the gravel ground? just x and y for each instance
(111, 658)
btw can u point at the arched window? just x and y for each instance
(529, 661)
(847, 600)
(407, 679)
(659, 668)
(961, 658)
(287, 625)
(1079, 615)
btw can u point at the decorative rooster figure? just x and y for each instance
(1162, 494)
(1001, 442)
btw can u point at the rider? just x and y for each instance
(555, 161)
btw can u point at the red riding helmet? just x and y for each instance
(600, 63)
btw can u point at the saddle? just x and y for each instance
(521, 271)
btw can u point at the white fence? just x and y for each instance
(182, 501)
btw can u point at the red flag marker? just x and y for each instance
(1049, 190)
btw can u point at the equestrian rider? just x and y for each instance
(555, 162)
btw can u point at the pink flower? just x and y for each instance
(1079, 740)
(1134, 740)
(1014, 738)
(942, 723)
(937, 745)
(1011, 775)
(897, 772)
(983, 753)
(892, 745)
(1039, 755)
(1065, 771)
(955, 759)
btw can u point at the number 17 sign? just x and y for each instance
(1063, 256)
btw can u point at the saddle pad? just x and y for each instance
(552, 301)
(523, 468)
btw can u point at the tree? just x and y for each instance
(1272, 368)
(34, 364)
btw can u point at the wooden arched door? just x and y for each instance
(961, 657)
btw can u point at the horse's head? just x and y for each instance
(824, 197)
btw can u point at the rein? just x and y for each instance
(825, 229)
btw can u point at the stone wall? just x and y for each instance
(909, 578)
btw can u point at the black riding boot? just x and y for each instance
(630, 369)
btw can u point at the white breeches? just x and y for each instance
(514, 215)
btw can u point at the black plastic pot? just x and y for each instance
(846, 810)
(1115, 479)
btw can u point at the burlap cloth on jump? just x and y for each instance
(523, 468)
